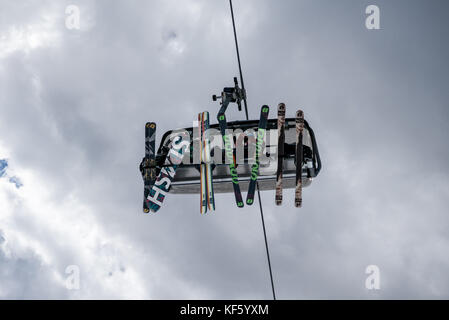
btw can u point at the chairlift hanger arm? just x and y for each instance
(231, 95)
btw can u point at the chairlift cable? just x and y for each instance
(238, 60)
(247, 118)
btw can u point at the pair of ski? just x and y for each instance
(228, 144)
(155, 189)
(299, 121)
(207, 199)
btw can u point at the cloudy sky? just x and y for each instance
(73, 104)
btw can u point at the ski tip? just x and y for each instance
(300, 114)
(281, 106)
(265, 108)
(240, 204)
(150, 125)
(249, 201)
(298, 204)
(146, 208)
(278, 200)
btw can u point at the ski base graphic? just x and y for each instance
(281, 140)
(227, 138)
(299, 157)
(162, 185)
(149, 162)
(255, 167)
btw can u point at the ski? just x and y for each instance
(203, 183)
(281, 141)
(209, 177)
(149, 162)
(299, 131)
(162, 184)
(228, 141)
(259, 142)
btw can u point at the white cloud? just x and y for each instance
(27, 38)
(37, 226)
